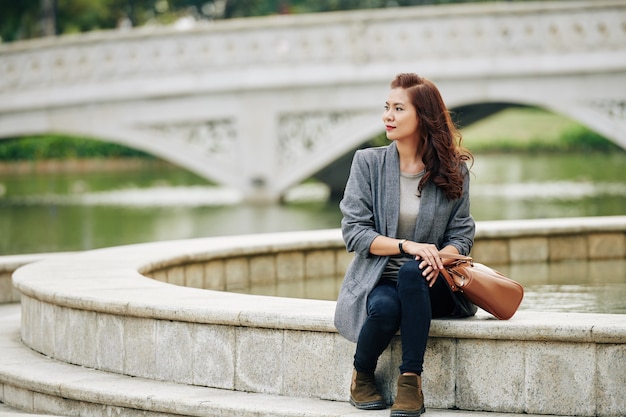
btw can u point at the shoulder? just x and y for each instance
(372, 154)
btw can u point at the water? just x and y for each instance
(81, 211)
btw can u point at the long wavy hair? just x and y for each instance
(440, 140)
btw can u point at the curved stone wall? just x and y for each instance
(99, 309)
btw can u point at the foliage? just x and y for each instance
(24, 19)
(62, 147)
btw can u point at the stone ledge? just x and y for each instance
(37, 384)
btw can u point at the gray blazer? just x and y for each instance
(370, 207)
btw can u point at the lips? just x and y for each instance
(389, 128)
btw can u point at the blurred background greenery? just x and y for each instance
(26, 19)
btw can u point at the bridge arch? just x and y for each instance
(261, 104)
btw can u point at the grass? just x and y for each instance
(531, 129)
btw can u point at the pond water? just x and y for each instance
(81, 211)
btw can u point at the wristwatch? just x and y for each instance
(400, 246)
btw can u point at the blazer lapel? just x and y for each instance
(391, 190)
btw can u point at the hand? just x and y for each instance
(431, 264)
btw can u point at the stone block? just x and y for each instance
(607, 245)
(160, 275)
(322, 288)
(342, 368)
(290, 266)
(18, 398)
(263, 269)
(439, 376)
(320, 263)
(6, 288)
(491, 251)
(307, 367)
(214, 275)
(259, 360)
(611, 379)
(46, 334)
(343, 259)
(292, 289)
(490, 375)
(82, 343)
(57, 406)
(176, 275)
(531, 249)
(568, 247)
(194, 275)
(560, 378)
(110, 343)
(139, 347)
(174, 351)
(28, 314)
(237, 272)
(214, 350)
(62, 334)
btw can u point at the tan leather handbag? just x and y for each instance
(483, 286)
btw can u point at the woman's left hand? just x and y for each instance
(431, 264)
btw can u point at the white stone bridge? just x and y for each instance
(261, 104)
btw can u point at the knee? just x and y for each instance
(411, 274)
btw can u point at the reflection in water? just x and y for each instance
(570, 286)
(73, 212)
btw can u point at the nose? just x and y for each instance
(387, 115)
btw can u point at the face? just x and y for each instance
(400, 116)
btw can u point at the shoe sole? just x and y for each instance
(372, 405)
(402, 413)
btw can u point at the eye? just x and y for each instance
(399, 109)
(386, 107)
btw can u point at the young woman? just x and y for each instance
(403, 203)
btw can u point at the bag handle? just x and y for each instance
(454, 256)
(446, 274)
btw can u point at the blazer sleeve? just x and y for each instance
(358, 224)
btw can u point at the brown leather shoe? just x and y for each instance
(363, 392)
(409, 398)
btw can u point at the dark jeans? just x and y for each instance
(407, 305)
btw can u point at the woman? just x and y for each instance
(403, 203)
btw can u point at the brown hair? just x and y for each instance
(440, 145)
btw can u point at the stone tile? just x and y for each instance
(194, 275)
(343, 259)
(568, 247)
(607, 245)
(342, 361)
(160, 275)
(290, 266)
(532, 249)
(306, 366)
(30, 312)
(322, 288)
(491, 251)
(62, 334)
(214, 275)
(490, 375)
(611, 379)
(214, 350)
(82, 338)
(18, 397)
(388, 370)
(439, 376)
(139, 347)
(560, 378)
(7, 292)
(237, 272)
(263, 269)
(110, 343)
(174, 351)
(319, 263)
(47, 337)
(176, 275)
(259, 360)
